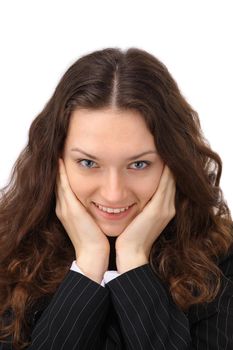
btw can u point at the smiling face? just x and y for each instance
(111, 173)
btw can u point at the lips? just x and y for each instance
(112, 216)
(109, 207)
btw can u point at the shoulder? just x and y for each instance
(223, 300)
(225, 263)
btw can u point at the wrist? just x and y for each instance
(126, 262)
(93, 266)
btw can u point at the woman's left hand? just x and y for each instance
(134, 244)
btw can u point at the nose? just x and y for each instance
(114, 189)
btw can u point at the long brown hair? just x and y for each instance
(35, 251)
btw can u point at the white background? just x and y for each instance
(40, 39)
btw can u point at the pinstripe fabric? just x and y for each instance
(133, 312)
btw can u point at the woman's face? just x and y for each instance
(104, 166)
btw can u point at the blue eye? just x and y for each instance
(88, 164)
(141, 162)
(88, 161)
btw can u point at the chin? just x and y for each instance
(112, 234)
(111, 231)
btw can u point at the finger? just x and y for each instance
(167, 178)
(66, 194)
(63, 175)
(169, 192)
(58, 183)
(63, 191)
(166, 183)
(63, 182)
(168, 187)
(165, 192)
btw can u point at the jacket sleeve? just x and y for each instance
(149, 319)
(74, 317)
(211, 324)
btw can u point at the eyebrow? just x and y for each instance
(76, 149)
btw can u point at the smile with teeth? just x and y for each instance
(111, 210)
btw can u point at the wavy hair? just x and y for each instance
(35, 250)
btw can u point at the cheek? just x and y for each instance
(157, 176)
(80, 189)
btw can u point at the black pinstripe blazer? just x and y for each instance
(132, 312)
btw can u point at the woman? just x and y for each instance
(114, 230)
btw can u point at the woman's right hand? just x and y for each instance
(90, 243)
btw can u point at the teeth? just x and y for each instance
(111, 210)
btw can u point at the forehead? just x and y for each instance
(108, 126)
